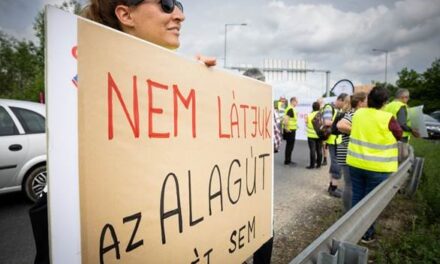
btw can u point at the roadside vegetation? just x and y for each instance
(410, 227)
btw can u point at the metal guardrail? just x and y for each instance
(415, 177)
(352, 225)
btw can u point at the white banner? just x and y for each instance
(417, 120)
(304, 108)
(62, 133)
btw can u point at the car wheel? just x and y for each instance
(35, 182)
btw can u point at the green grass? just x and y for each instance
(420, 242)
(429, 188)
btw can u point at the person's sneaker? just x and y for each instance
(368, 239)
(331, 187)
(324, 162)
(318, 167)
(310, 167)
(334, 191)
(291, 163)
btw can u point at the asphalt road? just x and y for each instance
(16, 238)
(295, 190)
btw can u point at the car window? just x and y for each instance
(436, 115)
(31, 121)
(430, 119)
(7, 126)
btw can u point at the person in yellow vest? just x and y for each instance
(315, 144)
(372, 150)
(399, 109)
(329, 114)
(290, 123)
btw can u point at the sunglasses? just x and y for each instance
(167, 5)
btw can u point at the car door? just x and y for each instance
(13, 148)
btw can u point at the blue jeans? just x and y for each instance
(362, 183)
(346, 194)
(335, 170)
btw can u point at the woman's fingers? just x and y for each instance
(208, 61)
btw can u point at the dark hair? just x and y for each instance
(293, 99)
(342, 96)
(357, 98)
(316, 106)
(103, 11)
(255, 73)
(377, 97)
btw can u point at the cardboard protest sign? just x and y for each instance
(175, 159)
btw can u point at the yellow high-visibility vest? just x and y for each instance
(333, 139)
(311, 133)
(394, 107)
(292, 123)
(372, 145)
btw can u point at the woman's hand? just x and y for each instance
(208, 61)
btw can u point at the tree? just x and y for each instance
(390, 87)
(18, 68)
(22, 62)
(72, 6)
(424, 88)
(409, 79)
(431, 87)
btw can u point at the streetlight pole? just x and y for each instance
(226, 37)
(386, 61)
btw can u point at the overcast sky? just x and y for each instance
(331, 35)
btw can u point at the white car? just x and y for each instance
(22, 147)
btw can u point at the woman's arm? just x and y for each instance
(344, 126)
(395, 128)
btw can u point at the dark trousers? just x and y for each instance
(290, 143)
(362, 183)
(38, 216)
(315, 148)
(264, 253)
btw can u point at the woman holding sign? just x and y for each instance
(158, 22)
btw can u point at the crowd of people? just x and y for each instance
(362, 141)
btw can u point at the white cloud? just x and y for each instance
(334, 35)
(326, 36)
